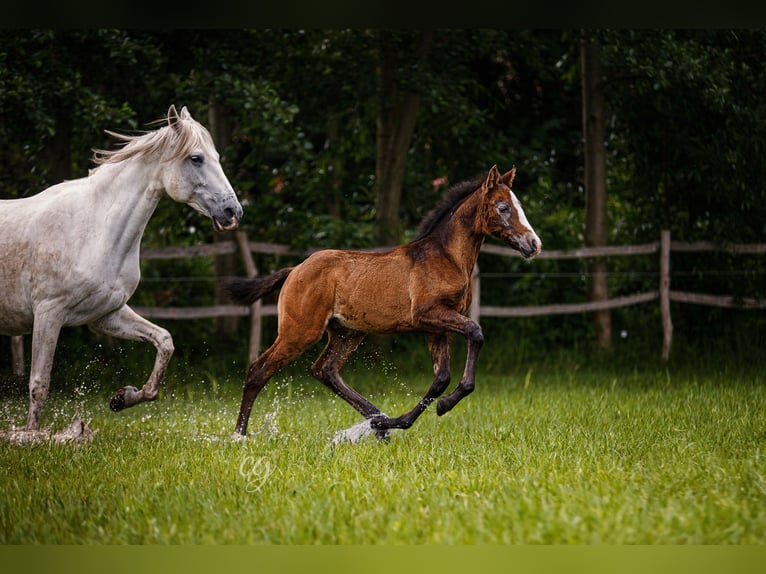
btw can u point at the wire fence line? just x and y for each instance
(664, 247)
(516, 275)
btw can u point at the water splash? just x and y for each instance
(269, 426)
(357, 432)
(354, 433)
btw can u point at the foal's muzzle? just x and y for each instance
(529, 245)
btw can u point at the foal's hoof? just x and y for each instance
(442, 407)
(383, 434)
(123, 398)
(380, 423)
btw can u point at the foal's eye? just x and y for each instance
(504, 208)
(196, 159)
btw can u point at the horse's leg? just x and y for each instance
(475, 339)
(341, 343)
(45, 334)
(448, 320)
(439, 345)
(127, 324)
(259, 373)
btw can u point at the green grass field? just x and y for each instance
(553, 455)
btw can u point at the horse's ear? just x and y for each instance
(185, 115)
(509, 176)
(173, 117)
(493, 177)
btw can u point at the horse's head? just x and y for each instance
(192, 173)
(503, 217)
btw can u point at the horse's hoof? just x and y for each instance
(442, 407)
(119, 401)
(383, 434)
(380, 423)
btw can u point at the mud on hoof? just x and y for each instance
(124, 398)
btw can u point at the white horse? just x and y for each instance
(69, 254)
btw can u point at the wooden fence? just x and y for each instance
(241, 244)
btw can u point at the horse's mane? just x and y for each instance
(452, 198)
(182, 136)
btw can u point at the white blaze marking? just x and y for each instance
(523, 218)
(519, 210)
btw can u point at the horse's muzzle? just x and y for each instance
(228, 220)
(530, 246)
(233, 223)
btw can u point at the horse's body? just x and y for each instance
(70, 254)
(423, 286)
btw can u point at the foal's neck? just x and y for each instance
(462, 236)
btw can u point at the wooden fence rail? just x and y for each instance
(241, 244)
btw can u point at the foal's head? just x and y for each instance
(502, 216)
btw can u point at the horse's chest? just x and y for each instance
(459, 299)
(88, 289)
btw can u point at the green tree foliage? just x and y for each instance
(689, 122)
(685, 139)
(687, 144)
(58, 91)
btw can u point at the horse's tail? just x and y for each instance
(248, 291)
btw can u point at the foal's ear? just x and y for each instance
(509, 176)
(493, 177)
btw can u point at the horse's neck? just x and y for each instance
(462, 241)
(126, 195)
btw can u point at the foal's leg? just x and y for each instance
(45, 335)
(439, 346)
(444, 319)
(340, 344)
(127, 324)
(475, 339)
(259, 373)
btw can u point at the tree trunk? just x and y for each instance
(396, 119)
(595, 183)
(225, 265)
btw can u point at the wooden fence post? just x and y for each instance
(17, 355)
(667, 322)
(255, 309)
(474, 312)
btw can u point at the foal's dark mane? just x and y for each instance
(452, 198)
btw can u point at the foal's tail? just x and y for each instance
(248, 291)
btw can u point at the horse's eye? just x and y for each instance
(196, 159)
(503, 208)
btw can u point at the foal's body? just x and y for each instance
(423, 286)
(401, 304)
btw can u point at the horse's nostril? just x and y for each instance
(533, 244)
(229, 213)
